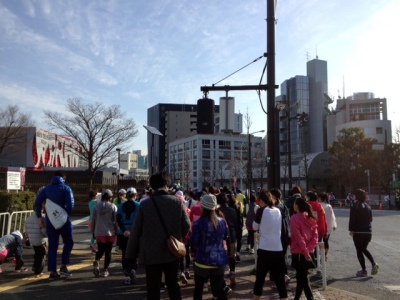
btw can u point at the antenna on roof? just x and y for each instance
(343, 89)
(316, 52)
(307, 56)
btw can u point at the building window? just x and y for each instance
(224, 144)
(206, 154)
(226, 155)
(379, 130)
(206, 143)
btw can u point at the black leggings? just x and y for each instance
(104, 248)
(303, 284)
(361, 241)
(326, 241)
(250, 238)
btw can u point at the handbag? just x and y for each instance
(56, 214)
(176, 247)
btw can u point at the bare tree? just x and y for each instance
(186, 170)
(305, 169)
(97, 130)
(260, 167)
(13, 126)
(397, 135)
(205, 176)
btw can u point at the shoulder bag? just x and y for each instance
(176, 247)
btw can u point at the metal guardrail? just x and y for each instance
(14, 221)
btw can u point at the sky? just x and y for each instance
(138, 53)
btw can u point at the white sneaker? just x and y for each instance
(127, 280)
(251, 251)
(287, 279)
(96, 270)
(132, 276)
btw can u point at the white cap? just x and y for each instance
(122, 191)
(131, 190)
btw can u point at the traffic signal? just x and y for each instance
(267, 158)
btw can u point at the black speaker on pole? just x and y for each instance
(205, 116)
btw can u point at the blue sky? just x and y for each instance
(139, 53)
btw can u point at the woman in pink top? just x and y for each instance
(304, 239)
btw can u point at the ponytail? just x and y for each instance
(304, 206)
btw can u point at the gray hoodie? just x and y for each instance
(104, 222)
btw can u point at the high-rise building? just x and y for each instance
(142, 159)
(304, 95)
(317, 73)
(176, 122)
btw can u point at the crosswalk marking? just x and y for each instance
(393, 288)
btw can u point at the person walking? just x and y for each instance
(208, 236)
(295, 193)
(104, 228)
(126, 214)
(318, 212)
(331, 224)
(285, 229)
(270, 257)
(304, 240)
(61, 195)
(148, 240)
(121, 197)
(250, 213)
(92, 203)
(361, 230)
(233, 225)
(239, 229)
(38, 239)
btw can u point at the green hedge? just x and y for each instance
(13, 201)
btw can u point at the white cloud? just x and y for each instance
(140, 53)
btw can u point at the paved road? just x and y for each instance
(385, 248)
(341, 266)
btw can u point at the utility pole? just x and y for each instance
(274, 174)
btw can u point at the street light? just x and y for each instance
(249, 171)
(118, 171)
(369, 183)
(119, 161)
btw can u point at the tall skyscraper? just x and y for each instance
(317, 73)
(305, 94)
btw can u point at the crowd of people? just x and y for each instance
(209, 222)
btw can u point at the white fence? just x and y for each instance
(14, 221)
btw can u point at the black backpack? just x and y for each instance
(285, 229)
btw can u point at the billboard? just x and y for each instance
(52, 150)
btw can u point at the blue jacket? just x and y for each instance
(59, 193)
(126, 215)
(209, 242)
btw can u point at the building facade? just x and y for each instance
(216, 160)
(38, 149)
(361, 110)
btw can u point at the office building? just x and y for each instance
(216, 160)
(361, 110)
